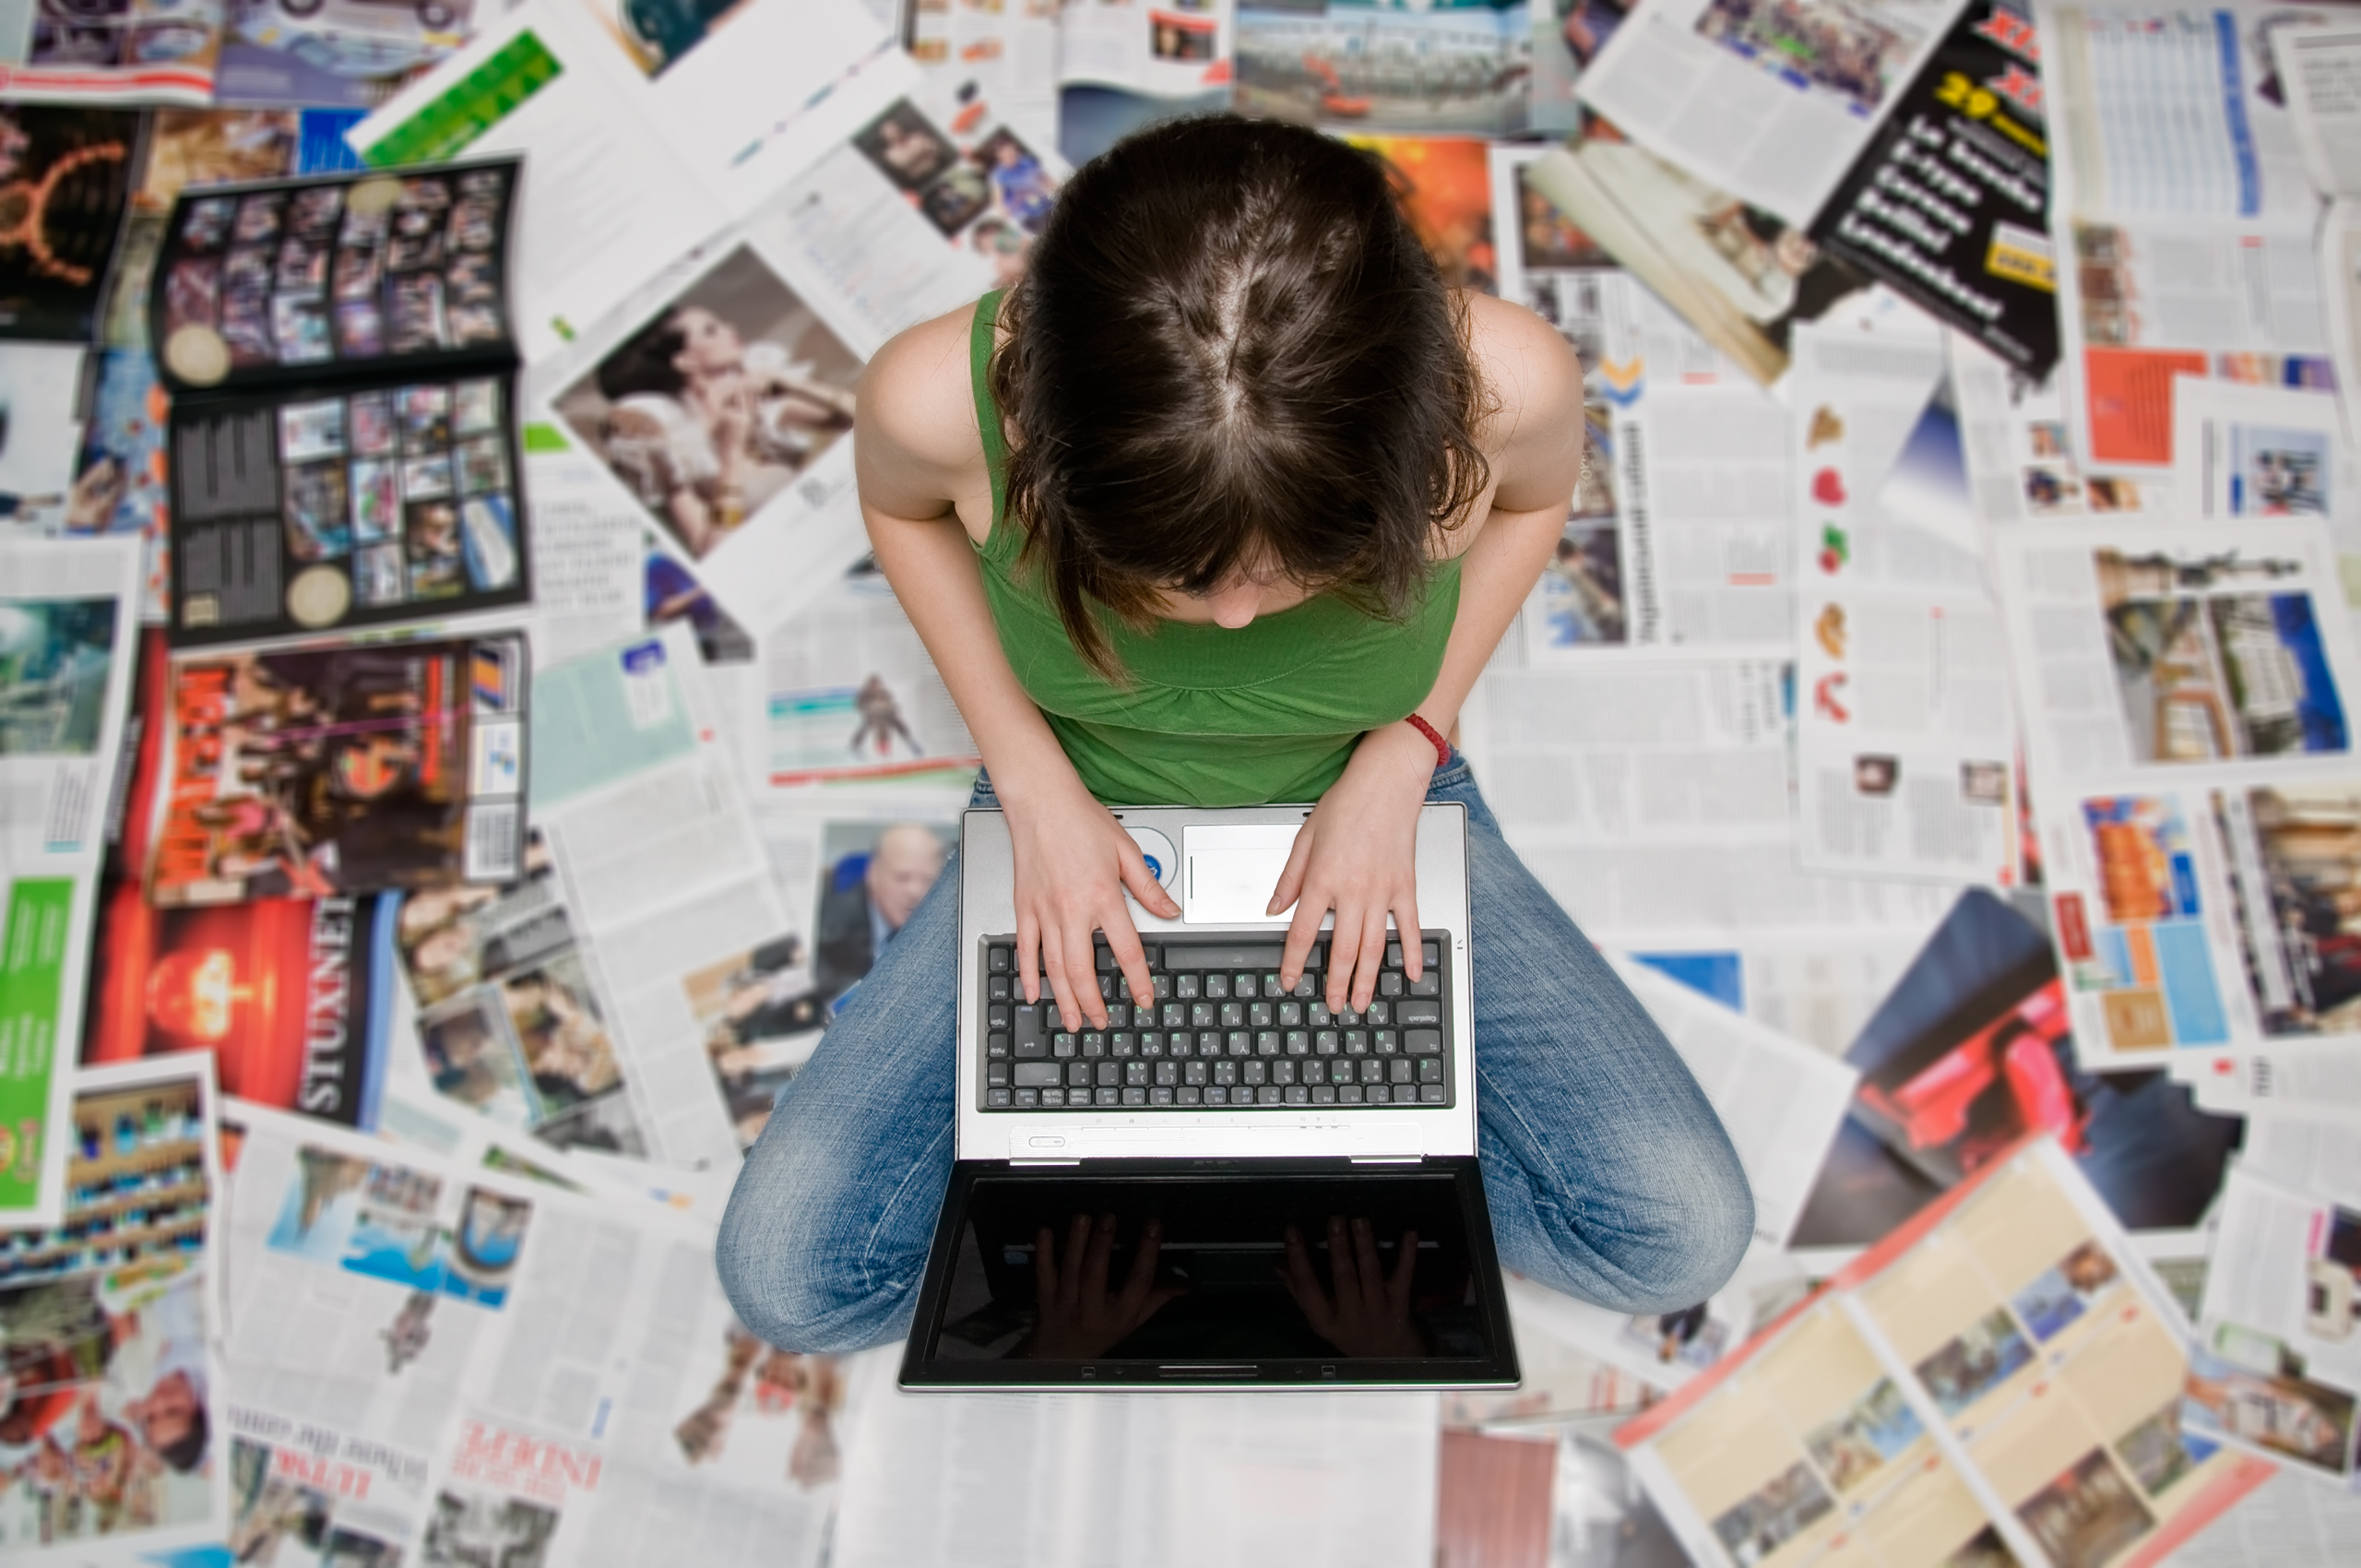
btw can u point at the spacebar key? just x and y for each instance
(1189, 955)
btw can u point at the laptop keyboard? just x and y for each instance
(1220, 1032)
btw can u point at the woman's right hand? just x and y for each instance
(1074, 862)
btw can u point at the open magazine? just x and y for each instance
(1808, 148)
(343, 422)
(1998, 1381)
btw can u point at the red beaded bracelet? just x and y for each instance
(1442, 747)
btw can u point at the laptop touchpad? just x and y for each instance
(1232, 869)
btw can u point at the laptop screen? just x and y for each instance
(1212, 1272)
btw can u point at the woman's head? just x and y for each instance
(678, 347)
(1230, 357)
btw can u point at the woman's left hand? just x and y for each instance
(1358, 855)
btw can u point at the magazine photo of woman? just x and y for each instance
(712, 407)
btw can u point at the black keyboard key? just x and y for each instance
(1431, 951)
(1107, 965)
(1393, 954)
(1221, 955)
(1032, 1036)
(996, 1075)
(1422, 1042)
(996, 1099)
(1430, 1071)
(997, 988)
(1077, 1074)
(1061, 1045)
(1038, 1074)
(1435, 1094)
(1428, 984)
(1389, 983)
(1134, 1096)
(996, 1047)
(1418, 1010)
(1000, 960)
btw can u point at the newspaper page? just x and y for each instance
(590, 578)
(2277, 1371)
(1156, 48)
(69, 628)
(2170, 673)
(1999, 1380)
(2340, 265)
(567, 1364)
(2184, 214)
(111, 1417)
(1326, 1480)
(640, 140)
(1906, 736)
(2289, 1518)
(340, 769)
(109, 55)
(1651, 800)
(2319, 65)
(40, 382)
(1772, 103)
(1353, 65)
(2318, 1155)
(1780, 1099)
(660, 879)
(2265, 452)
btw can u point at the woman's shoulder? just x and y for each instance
(915, 414)
(1532, 429)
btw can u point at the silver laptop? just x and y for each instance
(1228, 1185)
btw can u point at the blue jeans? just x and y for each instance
(1608, 1175)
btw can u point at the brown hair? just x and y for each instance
(1230, 344)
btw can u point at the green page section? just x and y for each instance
(444, 126)
(32, 989)
(603, 719)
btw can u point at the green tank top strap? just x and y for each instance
(982, 338)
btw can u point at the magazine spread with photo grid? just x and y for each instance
(343, 431)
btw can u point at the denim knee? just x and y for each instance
(799, 1287)
(1669, 1249)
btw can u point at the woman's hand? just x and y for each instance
(1073, 861)
(1369, 1312)
(1081, 1318)
(1358, 855)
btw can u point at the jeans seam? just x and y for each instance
(1487, 1101)
(869, 1257)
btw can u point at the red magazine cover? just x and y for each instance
(293, 996)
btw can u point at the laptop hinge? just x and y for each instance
(1387, 1159)
(1045, 1162)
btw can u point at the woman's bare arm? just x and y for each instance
(1357, 854)
(927, 501)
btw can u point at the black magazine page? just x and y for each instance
(291, 280)
(329, 506)
(66, 174)
(1950, 203)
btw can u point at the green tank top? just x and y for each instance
(1212, 716)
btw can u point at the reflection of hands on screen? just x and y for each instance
(1368, 1315)
(1080, 1318)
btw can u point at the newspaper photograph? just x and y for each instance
(715, 406)
(2017, 442)
(761, 1011)
(112, 1431)
(1970, 1053)
(509, 1025)
(848, 695)
(1346, 65)
(69, 632)
(341, 770)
